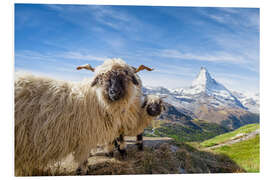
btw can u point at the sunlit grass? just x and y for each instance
(227, 136)
(246, 153)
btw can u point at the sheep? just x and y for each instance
(55, 118)
(150, 108)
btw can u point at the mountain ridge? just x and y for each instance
(209, 100)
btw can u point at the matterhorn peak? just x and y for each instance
(206, 85)
(203, 79)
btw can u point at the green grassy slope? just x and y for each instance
(246, 153)
(227, 136)
(194, 131)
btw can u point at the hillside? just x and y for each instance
(194, 130)
(236, 134)
(182, 127)
(160, 156)
(232, 152)
(241, 145)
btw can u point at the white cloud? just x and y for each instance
(220, 19)
(164, 80)
(80, 56)
(219, 56)
(110, 17)
(58, 56)
(59, 73)
(34, 55)
(237, 17)
(244, 46)
(105, 15)
(242, 84)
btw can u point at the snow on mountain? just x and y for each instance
(161, 91)
(205, 90)
(204, 83)
(156, 90)
(249, 100)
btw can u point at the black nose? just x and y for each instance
(114, 94)
(113, 91)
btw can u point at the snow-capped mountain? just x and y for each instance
(218, 95)
(207, 99)
(249, 100)
(204, 83)
(204, 89)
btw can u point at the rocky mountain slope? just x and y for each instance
(249, 100)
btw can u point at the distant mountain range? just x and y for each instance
(208, 100)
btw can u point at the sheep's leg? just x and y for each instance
(139, 141)
(82, 169)
(110, 147)
(81, 157)
(122, 147)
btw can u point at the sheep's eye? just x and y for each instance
(110, 82)
(134, 80)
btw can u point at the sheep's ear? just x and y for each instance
(87, 66)
(142, 67)
(144, 104)
(164, 108)
(144, 101)
(95, 81)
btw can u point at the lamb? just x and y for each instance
(55, 118)
(150, 108)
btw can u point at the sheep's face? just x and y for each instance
(116, 84)
(116, 87)
(116, 81)
(154, 107)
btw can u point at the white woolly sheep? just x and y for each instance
(150, 108)
(55, 118)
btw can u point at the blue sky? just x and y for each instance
(53, 39)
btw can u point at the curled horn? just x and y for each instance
(87, 66)
(142, 67)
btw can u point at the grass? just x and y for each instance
(200, 131)
(246, 153)
(161, 159)
(189, 156)
(227, 136)
(193, 160)
(154, 160)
